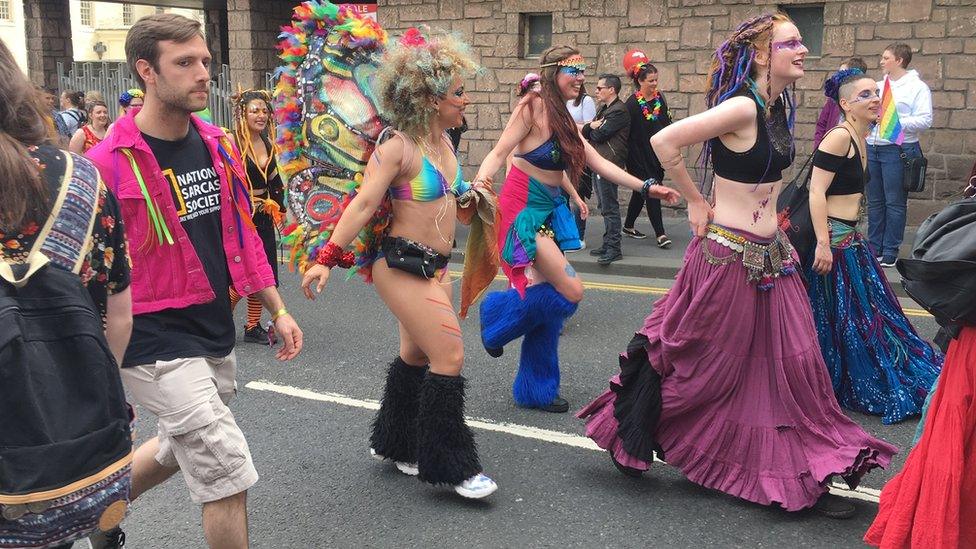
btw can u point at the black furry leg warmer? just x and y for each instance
(446, 452)
(395, 427)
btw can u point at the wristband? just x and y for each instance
(331, 255)
(280, 313)
(648, 183)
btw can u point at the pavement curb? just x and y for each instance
(642, 258)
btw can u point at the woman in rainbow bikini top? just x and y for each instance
(420, 426)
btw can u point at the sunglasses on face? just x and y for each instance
(793, 44)
(573, 72)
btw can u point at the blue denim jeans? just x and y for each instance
(887, 198)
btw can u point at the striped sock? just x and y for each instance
(253, 312)
(235, 297)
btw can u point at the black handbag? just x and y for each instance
(913, 177)
(793, 213)
(941, 274)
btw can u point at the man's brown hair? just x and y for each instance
(144, 37)
(901, 51)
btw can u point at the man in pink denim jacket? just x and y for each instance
(187, 215)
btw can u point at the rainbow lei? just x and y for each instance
(652, 112)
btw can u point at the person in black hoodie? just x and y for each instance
(649, 113)
(608, 134)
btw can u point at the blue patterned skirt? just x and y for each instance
(877, 362)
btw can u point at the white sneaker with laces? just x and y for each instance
(404, 467)
(476, 487)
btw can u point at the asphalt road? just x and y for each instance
(319, 488)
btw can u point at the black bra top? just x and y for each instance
(766, 160)
(849, 174)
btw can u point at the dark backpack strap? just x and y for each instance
(65, 237)
(78, 116)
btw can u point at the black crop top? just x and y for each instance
(849, 174)
(766, 160)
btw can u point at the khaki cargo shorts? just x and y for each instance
(197, 432)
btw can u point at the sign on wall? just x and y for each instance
(369, 10)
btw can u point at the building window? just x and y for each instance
(810, 20)
(536, 33)
(126, 14)
(86, 14)
(5, 10)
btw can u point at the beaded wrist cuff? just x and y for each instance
(333, 256)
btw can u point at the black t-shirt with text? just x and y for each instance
(198, 330)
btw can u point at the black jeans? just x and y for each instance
(610, 210)
(637, 202)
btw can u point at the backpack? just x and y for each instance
(941, 274)
(65, 440)
(59, 125)
(78, 116)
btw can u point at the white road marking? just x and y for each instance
(524, 431)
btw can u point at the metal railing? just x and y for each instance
(112, 78)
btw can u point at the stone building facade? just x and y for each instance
(680, 35)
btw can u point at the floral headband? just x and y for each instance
(413, 38)
(530, 78)
(574, 61)
(126, 97)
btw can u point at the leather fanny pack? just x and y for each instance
(412, 257)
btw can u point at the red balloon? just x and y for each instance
(632, 59)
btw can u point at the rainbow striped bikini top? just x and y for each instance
(429, 184)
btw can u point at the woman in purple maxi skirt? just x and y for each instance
(725, 380)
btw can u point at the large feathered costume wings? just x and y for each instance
(328, 125)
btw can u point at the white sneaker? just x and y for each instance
(476, 487)
(582, 247)
(404, 467)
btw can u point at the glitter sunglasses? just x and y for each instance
(573, 72)
(793, 44)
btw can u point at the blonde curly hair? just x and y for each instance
(420, 67)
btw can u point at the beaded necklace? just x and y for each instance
(652, 112)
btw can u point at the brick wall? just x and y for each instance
(47, 26)
(252, 32)
(679, 37)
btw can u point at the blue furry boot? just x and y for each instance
(537, 380)
(505, 316)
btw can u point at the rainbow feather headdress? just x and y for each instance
(327, 125)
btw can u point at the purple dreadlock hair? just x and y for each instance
(733, 69)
